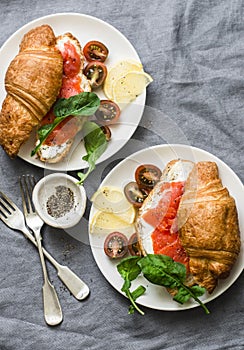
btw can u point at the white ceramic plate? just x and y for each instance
(85, 28)
(156, 297)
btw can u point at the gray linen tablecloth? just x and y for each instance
(194, 50)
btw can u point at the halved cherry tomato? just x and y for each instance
(147, 175)
(116, 245)
(96, 72)
(106, 131)
(134, 194)
(133, 246)
(95, 51)
(108, 112)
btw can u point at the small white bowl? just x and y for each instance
(59, 201)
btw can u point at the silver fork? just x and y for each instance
(52, 309)
(13, 217)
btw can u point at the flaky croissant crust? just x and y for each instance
(208, 226)
(32, 82)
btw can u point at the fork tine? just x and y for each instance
(2, 217)
(23, 195)
(32, 182)
(3, 209)
(8, 201)
(7, 207)
(11, 215)
(30, 185)
(27, 183)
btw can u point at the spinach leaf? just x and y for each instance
(140, 290)
(44, 131)
(129, 270)
(184, 294)
(161, 270)
(83, 104)
(95, 145)
(164, 271)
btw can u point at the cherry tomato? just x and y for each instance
(106, 131)
(95, 51)
(133, 246)
(116, 245)
(134, 194)
(147, 175)
(96, 72)
(108, 112)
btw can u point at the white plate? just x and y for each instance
(156, 297)
(85, 28)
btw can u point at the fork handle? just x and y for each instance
(75, 285)
(52, 308)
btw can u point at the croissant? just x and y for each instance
(33, 80)
(208, 226)
(192, 218)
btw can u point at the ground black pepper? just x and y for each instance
(61, 202)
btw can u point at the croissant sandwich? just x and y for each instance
(60, 140)
(191, 217)
(32, 82)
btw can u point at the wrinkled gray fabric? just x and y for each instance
(194, 50)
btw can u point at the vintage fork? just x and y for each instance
(13, 217)
(52, 309)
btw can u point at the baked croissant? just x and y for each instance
(192, 218)
(32, 82)
(208, 226)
